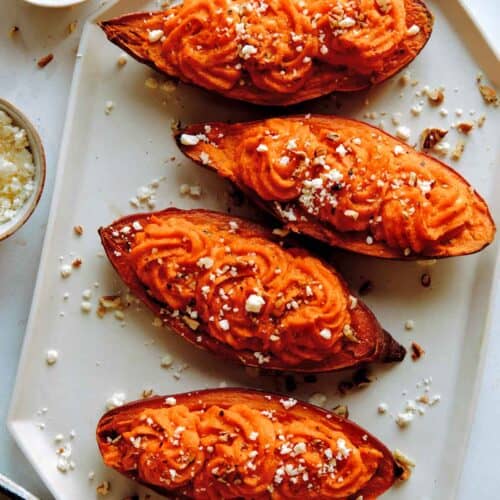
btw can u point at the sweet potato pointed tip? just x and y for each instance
(393, 350)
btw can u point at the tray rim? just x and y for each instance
(12, 421)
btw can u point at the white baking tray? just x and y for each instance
(105, 158)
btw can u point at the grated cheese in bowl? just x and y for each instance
(17, 170)
(22, 169)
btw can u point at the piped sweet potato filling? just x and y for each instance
(239, 451)
(274, 45)
(351, 178)
(249, 292)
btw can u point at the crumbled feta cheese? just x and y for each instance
(416, 109)
(51, 356)
(398, 150)
(403, 132)
(204, 158)
(261, 358)
(341, 150)
(413, 30)
(195, 191)
(300, 448)
(323, 50)
(254, 303)
(108, 107)
(288, 403)
(353, 302)
(253, 436)
(326, 333)
(382, 408)
(409, 324)
(155, 35)
(86, 306)
(247, 51)
(347, 22)
(205, 262)
(342, 450)
(17, 171)
(189, 140)
(351, 213)
(166, 361)
(404, 419)
(396, 118)
(170, 401)
(65, 270)
(262, 148)
(224, 324)
(117, 399)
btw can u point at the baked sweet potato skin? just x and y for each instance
(442, 215)
(370, 342)
(253, 81)
(117, 425)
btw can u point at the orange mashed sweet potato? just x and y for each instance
(250, 293)
(261, 450)
(277, 51)
(348, 183)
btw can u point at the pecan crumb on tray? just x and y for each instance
(43, 61)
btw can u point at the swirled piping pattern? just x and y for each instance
(239, 452)
(274, 45)
(353, 179)
(248, 292)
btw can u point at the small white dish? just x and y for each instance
(36, 148)
(54, 3)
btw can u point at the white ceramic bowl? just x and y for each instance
(36, 148)
(54, 3)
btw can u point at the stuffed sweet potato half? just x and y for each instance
(348, 184)
(238, 443)
(277, 52)
(226, 284)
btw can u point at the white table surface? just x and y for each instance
(42, 94)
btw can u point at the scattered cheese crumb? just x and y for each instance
(382, 408)
(404, 419)
(326, 333)
(155, 35)
(51, 357)
(254, 303)
(117, 399)
(166, 361)
(409, 324)
(413, 30)
(108, 107)
(224, 324)
(65, 270)
(86, 306)
(403, 132)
